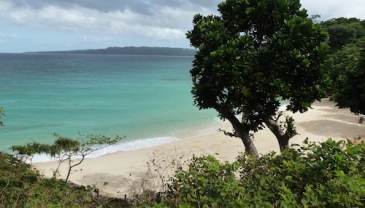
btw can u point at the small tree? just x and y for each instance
(67, 149)
(254, 53)
(350, 87)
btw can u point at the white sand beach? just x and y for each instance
(121, 168)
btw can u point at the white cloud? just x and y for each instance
(329, 9)
(98, 23)
(164, 23)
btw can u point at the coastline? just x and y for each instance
(126, 145)
(121, 168)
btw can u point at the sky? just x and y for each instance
(58, 25)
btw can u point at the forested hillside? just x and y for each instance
(346, 37)
(346, 62)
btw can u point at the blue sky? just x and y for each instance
(52, 25)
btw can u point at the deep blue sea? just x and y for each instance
(145, 98)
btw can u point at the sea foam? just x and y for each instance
(123, 146)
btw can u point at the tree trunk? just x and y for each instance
(281, 136)
(361, 120)
(248, 143)
(70, 166)
(244, 134)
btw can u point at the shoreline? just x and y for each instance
(121, 169)
(153, 142)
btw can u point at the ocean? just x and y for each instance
(145, 98)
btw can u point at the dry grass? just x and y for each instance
(161, 166)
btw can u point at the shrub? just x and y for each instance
(328, 174)
(207, 182)
(21, 186)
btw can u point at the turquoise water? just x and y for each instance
(145, 98)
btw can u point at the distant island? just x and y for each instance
(130, 50)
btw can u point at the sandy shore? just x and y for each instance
(122, 169)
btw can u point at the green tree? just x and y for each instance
(340, 35)
(67, 149)
(346, 40)
(350, 87)
(343, 31)
(340, 20)
(254, 52)
(338, 63)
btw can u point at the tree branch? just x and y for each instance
(234, 134)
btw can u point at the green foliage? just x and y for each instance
(309, 176)
(289, 126)
(350, 86)
(346, 40)
(206, 183)
(252, 53)
(66, 149)
(340, 35)
(329, 174)
(21, 186)
(343, 59)
(343, 31)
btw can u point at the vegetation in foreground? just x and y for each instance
(328, 174)
(22, 186)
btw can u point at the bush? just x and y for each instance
(22, 186)
(207, 182)
(328, 174)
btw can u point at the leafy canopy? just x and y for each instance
(254, 52)
(343, 31)
(346, 40)
(350, 86)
